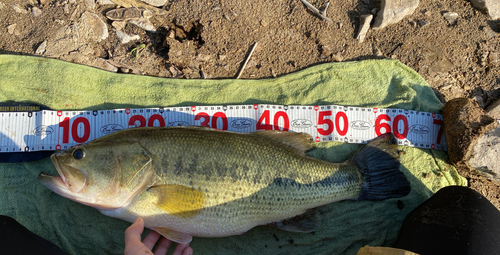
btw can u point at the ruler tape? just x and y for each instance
(59, 130)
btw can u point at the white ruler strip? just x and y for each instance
(59, 130)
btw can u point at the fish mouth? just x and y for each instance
(55, 162)
(56, 184)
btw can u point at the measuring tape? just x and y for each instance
(46, 130)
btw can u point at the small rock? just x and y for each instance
(392, 11)
(376, 51)
(41, 48)
(175, 72)
(374, 11)
(125, 38)
(263, 23)
(2, 5)
(340, 25)
(338, 57)
(171, 34)
(491, 34)
(105, 65)
(451, 17)
(90, 4)
(486, 153)
(490, 7)
(479, 100)
(464, 123)
(36, 12)
(156, 3)
(124, 14)
(364, 27)
(203, 57)
(103, 2)
(19, 9)
(93, 27)
(494, 109)
(11, 28)
(144, 24)
(423, 23)
(413, 23)
(124, 70)
(493, 58)
(119, 25)
(66, 8)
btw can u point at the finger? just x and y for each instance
(150, 239)
(133, 244)
(162, 247)
(179, 250)
(133, 233)
(188, 251)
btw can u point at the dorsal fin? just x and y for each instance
(300, 141)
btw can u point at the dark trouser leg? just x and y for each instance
(455, 220)
(16, 239)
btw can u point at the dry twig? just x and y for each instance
(246, 61)
(316, 11)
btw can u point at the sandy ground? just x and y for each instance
(211, 38)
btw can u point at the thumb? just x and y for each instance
(133, 233)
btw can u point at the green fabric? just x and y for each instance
(346, 226)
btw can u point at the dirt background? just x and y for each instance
(211, 38)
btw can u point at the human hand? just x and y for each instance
(133, 244)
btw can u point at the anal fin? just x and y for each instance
(173, 235)
(302, 223)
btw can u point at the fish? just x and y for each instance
(190, 182)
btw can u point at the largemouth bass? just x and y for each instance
(187, 182)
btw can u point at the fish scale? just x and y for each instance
(188, 182)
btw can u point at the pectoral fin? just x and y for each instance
(173, 235)
(303, 223)
(178, 200)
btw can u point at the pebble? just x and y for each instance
(423, 23)
(124, 70)
(491, 7)
(494, 109)
(125, 38)
(90, 4)
(119, 25)
(105, 65)
(2, 5)
(19, 9)
(144, 24)
(393, 11)
(491, 34)
(103, 2)
(493, 59)
(11, 28)
(156, 3)
(486, 153)
(451, 17)
(480, 100)
(36, 12)
(175, 72)
(364, 27)
(41, 48)
(93, 27)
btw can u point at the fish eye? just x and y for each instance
(78, 154)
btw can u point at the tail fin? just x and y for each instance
(378, 163)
